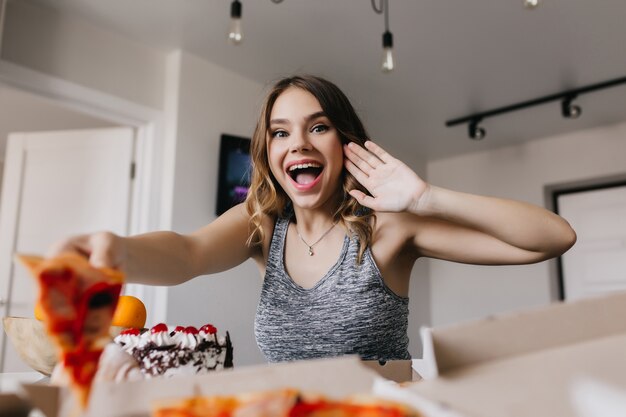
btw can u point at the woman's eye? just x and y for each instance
(319, 128)
(279, 134)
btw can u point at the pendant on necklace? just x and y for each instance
(310, 251)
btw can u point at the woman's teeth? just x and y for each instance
(303, 166)
(305, 173)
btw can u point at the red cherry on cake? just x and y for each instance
(131, 332)
(161, 327)
(208, 329)
(191, 330)
(179, 329)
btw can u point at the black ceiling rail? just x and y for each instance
(566, 96)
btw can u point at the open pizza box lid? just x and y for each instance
(336, 377)
(567, 359)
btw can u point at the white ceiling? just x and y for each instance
(454, 57)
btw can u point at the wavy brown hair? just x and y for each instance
(267, 198)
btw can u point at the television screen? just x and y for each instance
(234, 172)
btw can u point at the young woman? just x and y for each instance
(334, 224)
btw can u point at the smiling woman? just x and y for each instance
(335, 225)
(305, 122)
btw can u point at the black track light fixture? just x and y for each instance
(236, 34)
(569, 110)
(474, 131)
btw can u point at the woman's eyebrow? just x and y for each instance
(315, 115)
(308, 118)
(279, 121)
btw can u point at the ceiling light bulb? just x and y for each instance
(531, 4)
(388, 63)
(387, 60)
(236, 34)
(574, 112)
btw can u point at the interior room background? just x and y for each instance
(199, 100)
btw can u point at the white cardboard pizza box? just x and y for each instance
(543, 362)
(395, 370)
(336, 377)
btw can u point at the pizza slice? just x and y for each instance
(351, 407)
(282, 403)
(78, 302)
(270, 403)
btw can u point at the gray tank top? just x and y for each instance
(349, 311)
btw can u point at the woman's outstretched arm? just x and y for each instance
(454, 225)
(167, 258)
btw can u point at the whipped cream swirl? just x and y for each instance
(158, 338)
(127, 341)
(185, 340)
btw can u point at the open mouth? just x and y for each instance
(305, 173)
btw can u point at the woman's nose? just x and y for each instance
(299, 142)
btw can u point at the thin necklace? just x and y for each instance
(317, 241)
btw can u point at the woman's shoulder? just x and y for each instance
(267, 224)
(242, 212)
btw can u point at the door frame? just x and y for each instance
(604, 185)
(151, 198)
(551, 193)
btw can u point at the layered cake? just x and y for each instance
(185, 350)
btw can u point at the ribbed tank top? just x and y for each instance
(349, 311)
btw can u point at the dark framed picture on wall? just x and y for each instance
(235, 168)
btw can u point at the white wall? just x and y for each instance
(77, 51)
(462, 292)
(212, 101)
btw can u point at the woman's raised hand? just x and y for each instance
(392, 184)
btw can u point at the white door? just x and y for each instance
(57, 184)
(597, 263)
